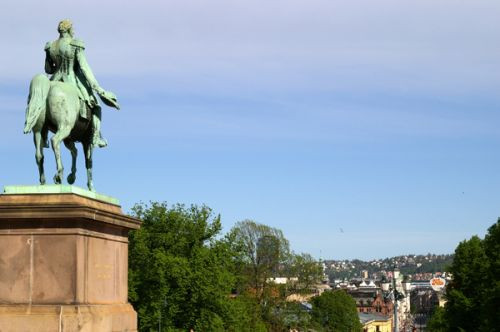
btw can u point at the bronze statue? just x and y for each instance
(66, 105)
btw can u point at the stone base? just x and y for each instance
(63, 261)
(66, 318)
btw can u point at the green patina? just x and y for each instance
(59, 189)
(66, 104)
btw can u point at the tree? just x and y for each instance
(183, 275)
(308, 271)
(466, 290)
(492, 296)
(474, 291)
(437, 322)
(180, 274)
(336, 312)
(262, 252)
(245, 315)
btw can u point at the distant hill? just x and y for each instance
(407, 264)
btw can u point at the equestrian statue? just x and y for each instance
(66, 105)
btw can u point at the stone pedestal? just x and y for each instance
(63, 261)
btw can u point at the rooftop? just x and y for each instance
(366, 318)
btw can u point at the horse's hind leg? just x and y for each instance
(45, 141)
(74, 153)
(88, 148)
(38, 139)
(56, 140)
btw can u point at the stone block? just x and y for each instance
(64, 251)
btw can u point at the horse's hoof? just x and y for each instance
(91, 187)
(71, 178)
(42, 181)
(57, 179)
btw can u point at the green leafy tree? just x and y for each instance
(262, 252)
(491, 314)
(180, 273)
(336, 312)
(473, 294)
(245, 315)
(437, 322)
(307, 270)
(183, 275)
(465, 293)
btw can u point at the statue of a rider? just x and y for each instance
(65, 61)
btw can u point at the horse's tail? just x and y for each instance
(37, 99)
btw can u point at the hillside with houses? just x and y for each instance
(418, 267)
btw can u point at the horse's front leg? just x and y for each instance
(88, 148)
(56, 140)
(74, 153)
(38, 139)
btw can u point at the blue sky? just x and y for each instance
(377, 118)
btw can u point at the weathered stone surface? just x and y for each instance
(63, 250)
(66, 318)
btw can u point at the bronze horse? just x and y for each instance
(54, 106)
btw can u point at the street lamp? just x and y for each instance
(396, 296)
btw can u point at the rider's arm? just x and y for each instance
(106, 96)
(84, 66)
(50, 67)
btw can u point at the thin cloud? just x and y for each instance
(319, 94)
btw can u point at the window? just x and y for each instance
(377, 328)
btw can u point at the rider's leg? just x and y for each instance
(97, 140)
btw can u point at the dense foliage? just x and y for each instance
(437, 322)
(336, 312)
(262, 254)
(180, 274)
(473, 295)
(183, 274)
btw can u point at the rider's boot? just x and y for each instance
(97, 139)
